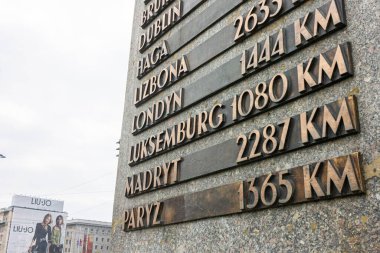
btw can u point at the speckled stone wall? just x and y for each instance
(349, 224)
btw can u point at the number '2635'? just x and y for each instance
(247, 24)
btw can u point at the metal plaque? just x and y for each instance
(325, 123)
(202, 22)
(333, 178)
(222, 40)
(296, 82)
(262, 54)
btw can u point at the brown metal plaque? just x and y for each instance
(264, 53)
(225, 38)
(325, 123)
(299, 81)
(152, 10)
(314, 74)
(333, 178)
(202, 22)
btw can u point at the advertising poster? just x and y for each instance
(36, 231)
(84, 243)
(87, 246)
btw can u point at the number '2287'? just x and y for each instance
(265, 142)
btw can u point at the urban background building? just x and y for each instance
(5, 219)
(86, 236)
(19, 222)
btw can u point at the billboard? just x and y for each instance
(37, 203)
(32, 229)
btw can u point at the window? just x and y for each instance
(96, 238)
(96, 246)
(101, 247)
(108, 240)
(102, 239)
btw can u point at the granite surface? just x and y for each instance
(341, 225)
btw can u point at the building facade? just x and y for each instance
(19, 223)
(5, 225)
(251, 126)
(86, 236)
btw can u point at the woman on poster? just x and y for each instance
(39, 242)
(56, 246)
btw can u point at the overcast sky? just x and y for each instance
(63, 68)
